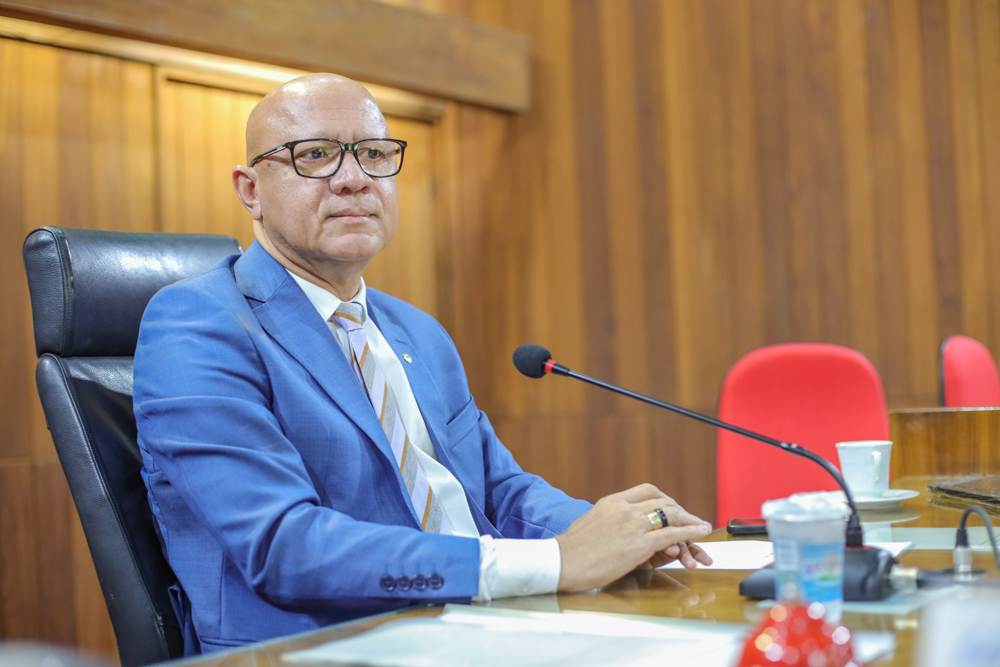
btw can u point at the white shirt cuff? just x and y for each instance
(517, 567)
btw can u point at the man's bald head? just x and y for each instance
(293, 103)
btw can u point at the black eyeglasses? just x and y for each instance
(321, 158)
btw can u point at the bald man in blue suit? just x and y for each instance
(280, 502)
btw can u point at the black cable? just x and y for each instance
(962, 538)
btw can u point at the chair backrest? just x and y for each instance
(812, 394)
(88, 292)
(968, 374)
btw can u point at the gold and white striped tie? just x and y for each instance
(351, 316)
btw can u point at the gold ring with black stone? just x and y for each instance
(658, 519)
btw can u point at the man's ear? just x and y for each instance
(245, 183)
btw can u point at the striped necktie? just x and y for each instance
(351, 317)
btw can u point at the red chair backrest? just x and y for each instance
(969, 376)
(812, 394)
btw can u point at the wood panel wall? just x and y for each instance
(695, 178)
(701, 177)
(77, 148)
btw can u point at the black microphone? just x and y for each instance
(866, 569)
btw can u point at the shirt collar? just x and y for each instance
(325, 302)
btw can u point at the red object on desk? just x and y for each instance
(797, 636)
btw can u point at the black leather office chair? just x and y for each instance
(88, 292)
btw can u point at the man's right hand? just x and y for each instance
(616, 536)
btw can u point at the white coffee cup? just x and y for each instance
(865, 466)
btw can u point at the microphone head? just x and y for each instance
(530, 359)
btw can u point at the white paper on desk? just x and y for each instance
(733, 555)
(491, 638)
(755, 554)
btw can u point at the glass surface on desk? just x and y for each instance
(709, 595)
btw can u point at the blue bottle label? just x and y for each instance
(809, 572)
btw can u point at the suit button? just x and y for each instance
(419, 582)
(435, 581)
(404, 583)
(388, 584)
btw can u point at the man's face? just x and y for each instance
(322, 224)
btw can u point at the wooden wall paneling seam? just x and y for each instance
(468, 220)
(829, 212)
(938, 90)
(16, 337)
(684, 210)
(854, 96)
(630, 150)
(592, 166)
(802, 174)
(20, 606)
(913, 134)
(745, 240)
(987, 26)
(441, 55)
(557, 314)
(970, 232)
(655, 312)
(891, 275)
(770, 116)
(166, 166)
(407, 268)
(715, 302)
(140, 147)
(55, 515)
(444, 213)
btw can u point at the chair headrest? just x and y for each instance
(89, 288)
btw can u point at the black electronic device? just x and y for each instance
(866, 577)
(756, 527)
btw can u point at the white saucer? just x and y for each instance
(889, 500)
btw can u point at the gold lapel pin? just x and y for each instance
(407, 358)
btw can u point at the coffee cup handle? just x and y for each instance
(877, 469)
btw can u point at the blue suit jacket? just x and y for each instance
(278, 500)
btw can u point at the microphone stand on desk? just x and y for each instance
(867, 570)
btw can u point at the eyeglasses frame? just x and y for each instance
(344, 149)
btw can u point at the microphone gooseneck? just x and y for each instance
(866, 569)
(535, 362)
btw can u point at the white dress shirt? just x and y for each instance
(507, 567)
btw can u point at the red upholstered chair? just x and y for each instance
(812, 394)
(968, 374)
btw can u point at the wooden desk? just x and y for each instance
(706, 594)
(945, 441)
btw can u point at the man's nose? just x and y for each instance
(350, 176)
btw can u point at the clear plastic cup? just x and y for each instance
(808, 530)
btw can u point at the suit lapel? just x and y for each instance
(288, 316)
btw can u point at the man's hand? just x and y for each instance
(616, 536)
(688, 553)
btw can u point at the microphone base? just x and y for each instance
(866, 577)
